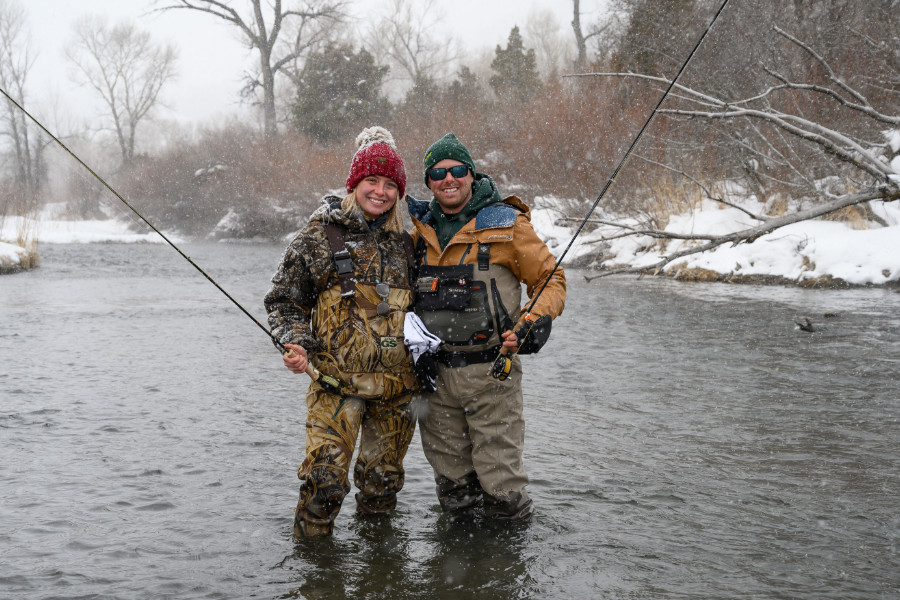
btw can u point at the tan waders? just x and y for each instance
(333, 424)
(473, 434)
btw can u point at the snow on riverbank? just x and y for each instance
(11, 256)
(799, 252)
(49, 228)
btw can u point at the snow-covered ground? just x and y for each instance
(798, 252)
(10, 254)
(50, 228)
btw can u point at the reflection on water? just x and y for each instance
(683, 441)
(381, 559)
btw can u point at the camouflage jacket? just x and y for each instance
(344, 337)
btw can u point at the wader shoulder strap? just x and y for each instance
(410, 255)
(421, 257)
(341, 259)
(484, 256)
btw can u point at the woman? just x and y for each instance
(338, 302)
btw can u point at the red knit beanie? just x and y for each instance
(377, 155)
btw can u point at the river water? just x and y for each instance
(683, 441)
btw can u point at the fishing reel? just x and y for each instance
(330, 384)
(502, 366)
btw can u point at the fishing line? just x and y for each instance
(501, 371)
(149, 224)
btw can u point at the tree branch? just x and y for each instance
(704, 189)
(751, 234)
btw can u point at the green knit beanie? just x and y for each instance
(448, 147)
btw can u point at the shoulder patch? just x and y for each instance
(496, 215)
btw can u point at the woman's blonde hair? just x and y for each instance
(394, 218)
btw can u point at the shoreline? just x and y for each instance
(21, 259)
(16, 259)
(822, 282)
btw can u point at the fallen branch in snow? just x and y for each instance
(747, 236)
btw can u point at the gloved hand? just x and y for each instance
(533, 339)
(426, 372)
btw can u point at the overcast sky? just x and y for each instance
(211, 56)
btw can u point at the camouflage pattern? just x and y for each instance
(307, 270)
(347, 339)
(332, 426)
(365, 351)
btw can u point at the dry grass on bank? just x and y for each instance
(28, 259)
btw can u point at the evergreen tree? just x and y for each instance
(423, 95)
(515, 70)
(465, 89)
(658, 35)
(339, 91)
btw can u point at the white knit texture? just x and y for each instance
(375, 135)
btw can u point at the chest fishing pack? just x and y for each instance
(468, 305)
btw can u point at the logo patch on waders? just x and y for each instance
(389, 341)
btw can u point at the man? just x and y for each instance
(474, 250)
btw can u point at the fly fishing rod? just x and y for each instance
(332, 384)
(503, 363)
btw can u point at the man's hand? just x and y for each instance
(510, 340)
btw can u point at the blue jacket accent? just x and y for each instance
(496, 215)
(419, 209)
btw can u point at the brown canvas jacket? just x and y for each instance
(516, 247)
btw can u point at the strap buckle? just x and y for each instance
(484, 257)
(343, 262)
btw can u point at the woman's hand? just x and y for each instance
(295, 358)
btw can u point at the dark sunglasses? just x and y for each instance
(458, 172)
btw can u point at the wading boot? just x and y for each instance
(516, 507)
(378, 488)
(308, 526)
(460, 499)
(375, 505)
(320, 501)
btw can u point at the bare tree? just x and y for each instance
(853, 143)
(263, 33)
(406, 35)
(127, 69)
(581, 39)
(543, 34)
(16, 61)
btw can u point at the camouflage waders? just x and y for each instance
(333, 424)
(342, 292)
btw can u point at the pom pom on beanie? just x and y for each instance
(377, 155)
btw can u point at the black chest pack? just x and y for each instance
(468, 306)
